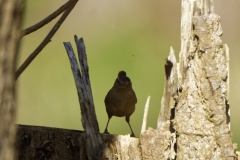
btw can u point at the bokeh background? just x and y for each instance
(134, 36)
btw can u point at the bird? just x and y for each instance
(120, 100)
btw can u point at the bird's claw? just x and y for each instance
(106, 132)
(132, 135)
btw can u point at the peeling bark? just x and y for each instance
(201, 115)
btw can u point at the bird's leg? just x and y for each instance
(106, 131)
(128, 121)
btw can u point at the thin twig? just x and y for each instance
(44, 42)
(144, 124)
(47, 19)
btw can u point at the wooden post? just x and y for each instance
(10, 25)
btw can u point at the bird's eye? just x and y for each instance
(118, 81)
(129, 84)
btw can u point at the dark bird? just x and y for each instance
(120, 100)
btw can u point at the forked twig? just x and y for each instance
(94, 143)
(46, 40)
(47, 19)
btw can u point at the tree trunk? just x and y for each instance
(10, 23)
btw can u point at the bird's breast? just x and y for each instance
(120, 102)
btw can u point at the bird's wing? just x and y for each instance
(135, 97)
(109, 97)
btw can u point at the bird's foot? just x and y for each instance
(106, 132)
(132, 135)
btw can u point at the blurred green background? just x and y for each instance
(134, 36)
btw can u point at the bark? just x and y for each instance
(34, 142)
(201, 114)
(53, 143)
(198, 112)
(10, 22)
(169, 93)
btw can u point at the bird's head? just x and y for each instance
(123, 81)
